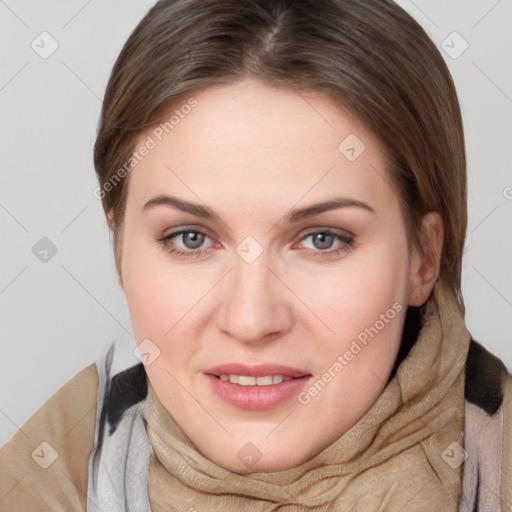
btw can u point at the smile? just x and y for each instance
(248, 380)
(258, 387)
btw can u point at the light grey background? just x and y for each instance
(59, 315)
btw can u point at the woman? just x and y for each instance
(285, 184)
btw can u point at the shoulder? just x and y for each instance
(44, 465)
(488, 436)
(485, 378)
(506, 467)
(121, 445)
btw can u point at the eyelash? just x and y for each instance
(347, 241)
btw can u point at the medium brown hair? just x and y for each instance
(368, 55)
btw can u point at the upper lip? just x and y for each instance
(258, 370)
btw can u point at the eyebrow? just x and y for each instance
(295, 215)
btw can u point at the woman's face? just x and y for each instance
(264, 245)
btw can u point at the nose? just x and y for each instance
(255, 302)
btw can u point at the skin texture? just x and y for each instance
(251, 153)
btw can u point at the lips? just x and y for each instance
(290, 381)
(260, 370)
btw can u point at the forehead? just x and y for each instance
(261, 143)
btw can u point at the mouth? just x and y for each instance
(264, 386)
(248, 380)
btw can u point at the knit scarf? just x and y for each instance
(401, 455)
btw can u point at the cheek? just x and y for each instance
(364, 304)
(352, 297)
(155, 297)
(159, 306)
(168, 304)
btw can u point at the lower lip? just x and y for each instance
(257, 397)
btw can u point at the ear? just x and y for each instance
(109, 217)
(426, 263)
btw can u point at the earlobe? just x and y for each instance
(425, 264)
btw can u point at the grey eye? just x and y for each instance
(193, 239)
(322, 240)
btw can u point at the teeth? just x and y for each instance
(246, 380)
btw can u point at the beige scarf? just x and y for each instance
(396, 457)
